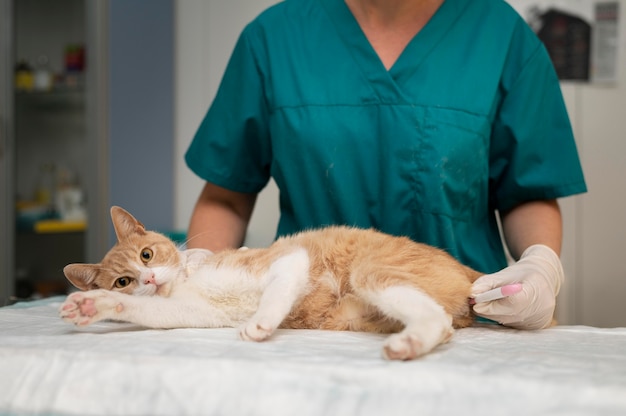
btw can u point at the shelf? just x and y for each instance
(52, 92)
(53, 100)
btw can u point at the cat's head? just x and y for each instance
(141, 262)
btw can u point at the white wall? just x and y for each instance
(206, 34)
(595, 224)
(601, 239)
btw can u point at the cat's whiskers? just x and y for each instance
(185, 243)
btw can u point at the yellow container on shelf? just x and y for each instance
(59, 226)
(24, 77)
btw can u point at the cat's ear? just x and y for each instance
(125, 224)
(81, 275)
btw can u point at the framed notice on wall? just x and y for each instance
(581, 36)
(604, 48)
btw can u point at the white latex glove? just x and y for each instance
(540, 272)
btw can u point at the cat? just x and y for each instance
(333, 278)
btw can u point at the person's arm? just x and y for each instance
(533, 232)
(220, 218)
(536, 222)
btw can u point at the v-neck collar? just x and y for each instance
(411, 58)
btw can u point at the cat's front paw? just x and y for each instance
(256, 331)
(85, 308)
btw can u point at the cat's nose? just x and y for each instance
(149, 279)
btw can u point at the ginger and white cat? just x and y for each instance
(335, 278)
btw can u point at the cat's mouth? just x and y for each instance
(163, 289)
(147, 290)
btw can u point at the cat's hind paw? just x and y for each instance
(403, 346)
(409, 345)
(256, 331)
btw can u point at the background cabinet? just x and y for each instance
(49, 142)
(50, 139)
(49, 150)
(113, 132)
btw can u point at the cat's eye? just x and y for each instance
(146, 255)
(122, 282)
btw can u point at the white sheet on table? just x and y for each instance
(49, 367)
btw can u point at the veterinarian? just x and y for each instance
(426, 118)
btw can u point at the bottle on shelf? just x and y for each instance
(24, 78)
(45, 194)
(42, 75)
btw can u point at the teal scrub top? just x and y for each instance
(470, 119)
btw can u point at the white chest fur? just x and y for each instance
(238, 293)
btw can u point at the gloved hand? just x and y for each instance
(540, 272)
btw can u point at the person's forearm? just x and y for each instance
(220, 219)
(537, 222)
(215, 228)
